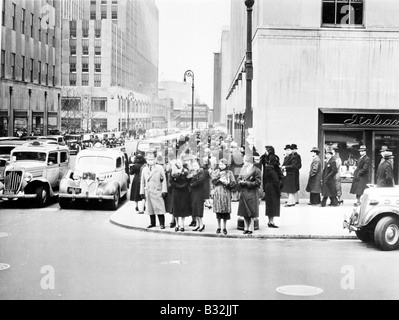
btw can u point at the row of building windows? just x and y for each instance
(50, 40)
(25, 77)
(85, 65)
(85, 77)
(104, 10)
(85, 47)
(73, 27)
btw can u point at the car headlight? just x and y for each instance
(28, 177)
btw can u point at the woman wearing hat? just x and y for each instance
(329, 185)
(385, 177)
(315, 175)
(290, 165)
(224, 182)
(135, 170)
(361, 177)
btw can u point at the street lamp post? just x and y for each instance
(249, 73)
(190, 74)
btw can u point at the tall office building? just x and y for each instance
(110, 67)
(30, 67)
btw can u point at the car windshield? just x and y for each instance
(98, 163)
(29, 156)
(6, 150)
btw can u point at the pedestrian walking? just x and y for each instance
(385, 177)
(181, 201)
(290, 167)
(135, 170)
(315, 177)
(197, 186)
(361, 176)
(338, 177)
(298, 167)
(249, 181)
(224, 182)
(272, 183)
(329, 185)
(154, 189)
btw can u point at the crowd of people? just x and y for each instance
(183, 181)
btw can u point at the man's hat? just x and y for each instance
(315, 149)
(294, 146)
(362, 148)
(384, 148)
(288, 146)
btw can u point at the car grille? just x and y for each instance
(12, 181)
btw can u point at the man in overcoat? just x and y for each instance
(154, 189)
(361, 177)
(298, 167)
(329, 188)
(315, 176)
(385, 177)
(289, 166)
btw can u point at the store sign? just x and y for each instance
(372, 121)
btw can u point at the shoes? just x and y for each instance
(162, 227)
(272, 226)
(196, 229)
(296, 202)
(249, 232)
(225, 232)
(289, 205)
(141, 212)
(177, 229)
(182, 230)
(137, 209)
(202, 229)
(246, 232)
(218, 231)
(151, 226)
(192, 224)
(172, 225)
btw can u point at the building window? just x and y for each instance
(72, 79)
(23, 21)
(103, 10)
(72, 46)
(32, 25)
(99, 105)
(31, 70)
(40, 29)
(13, 57)
(85, 80)
(343, 13)
(3, 14)
(114, 13)
(93, 15)
(3, 64)
(97, 29)
(85, 64)
(23, 68)
(14, 12)
(72, 29)
(85, 29)
(97, 65)
(97, 48)
(72, 64)
(53, 76)
(47, 74)
(97, 80)
(85, 47)
(39, 75)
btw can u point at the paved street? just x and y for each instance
(93, 259)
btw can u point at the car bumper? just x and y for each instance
(350, 227)
(18, 196)
(85, 197)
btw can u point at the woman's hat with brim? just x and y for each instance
(288, 146)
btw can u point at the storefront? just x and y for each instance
(3, 123)
(347, 129)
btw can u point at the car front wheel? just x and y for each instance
(115, 202)
(386, 234)
(41, 196)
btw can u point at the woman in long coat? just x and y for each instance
(361, 177)
(290, 166)
(315, 176)
(329, 186)
(272, 181)
(249, 181)
(135, 170)
(197, 187)
(224, 182)
(181, 201)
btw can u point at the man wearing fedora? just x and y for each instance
(385, 177)
(361, 177)
(290, 166)
(298, 166)
(329, 187)
(154, 189)
(315, 175)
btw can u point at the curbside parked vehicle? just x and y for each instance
(99, 175)
(35, 172)
(376, 219)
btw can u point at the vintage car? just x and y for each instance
(74, 143)
(35, 172)
(99, 175)
(3, 164)
(59, 139)
(376, 219)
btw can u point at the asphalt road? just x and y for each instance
(78, 254)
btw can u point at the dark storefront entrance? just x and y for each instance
(345, 130)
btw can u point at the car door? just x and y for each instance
(64, 163)
(53, 169)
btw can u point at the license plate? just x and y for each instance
(75, 190)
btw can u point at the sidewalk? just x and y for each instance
(299, 222)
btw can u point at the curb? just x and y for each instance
(251, 237)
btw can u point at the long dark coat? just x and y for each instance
(272, 181)
(298, 166)
(329, 187)
(249, 196)
(168, 199)
(385, 178)
(291, 164)
(181, 200)
(197, 186)
(315, 176)
(135, 187)
(361, 176)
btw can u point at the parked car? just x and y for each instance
(60, 139)
(35, 172)
(99, 175)
(376, 219)
(3, 164)
(74, 143)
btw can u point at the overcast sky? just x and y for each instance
(190, 32)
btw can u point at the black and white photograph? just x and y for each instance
(199, 155)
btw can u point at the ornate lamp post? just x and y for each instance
(190, 74)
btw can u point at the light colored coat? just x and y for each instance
(153, 185)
